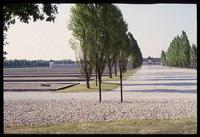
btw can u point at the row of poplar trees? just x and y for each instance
(180, 53)
(100, 38)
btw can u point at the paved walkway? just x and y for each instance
(162, 79)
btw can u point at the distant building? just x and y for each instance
(53, 65)
(151, 61)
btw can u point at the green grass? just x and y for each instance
(117, 78)
(82, 87)
(105, 85)
(139, 126)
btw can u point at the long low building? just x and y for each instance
(54, 65)
(151, 61)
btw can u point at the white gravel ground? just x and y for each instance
(33, 85)
(47, 108)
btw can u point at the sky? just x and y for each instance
(153, 26)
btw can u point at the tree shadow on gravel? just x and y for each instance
(164, 84)
(158, 79)
(162, 90)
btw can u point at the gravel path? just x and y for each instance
(162, 79)
(47, 108)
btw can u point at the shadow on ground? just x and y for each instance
(164, 84)
(158, 79)
(162, 90)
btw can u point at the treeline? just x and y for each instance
(180, 53)
(32, 63)
(101, 38)
(136, 55)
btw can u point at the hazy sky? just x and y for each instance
(153, 26)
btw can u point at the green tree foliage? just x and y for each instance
(105, 33)
(80, 27)
(124, 50)
(99, 39)
(26, 12)
(179, 53)
(184, 53)
(163, 59)
(136, 55)
(115, 20)
(173, 52)
(193, 56)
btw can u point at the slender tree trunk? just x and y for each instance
(87, 76)
(123, 68)
(96, 76)
(115, 64)
(86, 67)
(87, 80)
(110, 69)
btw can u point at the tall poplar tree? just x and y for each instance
(193, 56)
(163, 59)
(80, 27)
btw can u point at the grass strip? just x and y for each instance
(137, 126)
(106, 86)
(82, 87)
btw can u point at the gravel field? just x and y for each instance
(40, 70)
(47, 108)
(50, 108)
(42, 79)
(43, 70)
(47, 75)
(43, 75)
(34, 86)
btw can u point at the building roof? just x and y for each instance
(153, 59)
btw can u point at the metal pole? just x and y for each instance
(96, 69)
(99, 86)
(121, 84)
(99, 73)
(96, 56)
